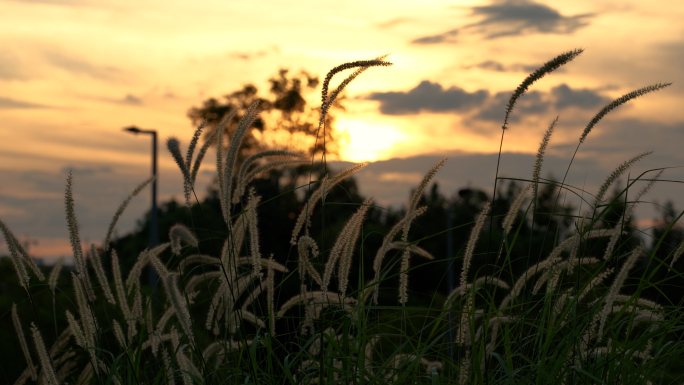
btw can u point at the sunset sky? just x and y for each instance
(73, 73)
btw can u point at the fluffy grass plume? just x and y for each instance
(254, 232)
(305, 244)
(263, 154)
(74, 238)
(344, 246)
(235, 142)
(617, 102)
(193, 144)
(507, 223)
(22, 342)
(121, 209)
(45, 363)
(19, 266)
(356, 222)
(472, 242)
(362, 65)
(616, 287)
(180, 232)
(248, 177)
(54, 274)
(179, 305)
(539, 73)
(626, 216)
(539, 160)
(173, 145)
(23, 255)
(305, 215)
(100, 274)
(679, 250)
(615, 175)
(201, 153)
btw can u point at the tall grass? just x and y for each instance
(570, 318)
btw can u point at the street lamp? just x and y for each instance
(154, 230)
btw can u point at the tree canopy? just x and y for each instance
(287, 121)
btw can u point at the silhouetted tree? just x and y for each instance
(285, 110)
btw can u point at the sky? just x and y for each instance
(73, 73)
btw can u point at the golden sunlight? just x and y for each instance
(362, 140)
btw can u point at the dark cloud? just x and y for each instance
(446, 37)
(513, 18)
(11, 68)
(7, 103)
(584, 98)
(427, 96)
(393, 22)
(531, 103)
(492, 65)
(614, 136)
(518, 17)
(79, 66)
(242, 56)
(432, 97)
(131, 99)
(87, 170)
(52, 2)
(247, 56)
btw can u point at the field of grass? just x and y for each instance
(579, 316)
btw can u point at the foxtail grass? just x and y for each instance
(569, 318)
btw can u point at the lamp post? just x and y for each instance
(449, 207)
(154, 230)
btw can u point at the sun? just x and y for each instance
(362, 140)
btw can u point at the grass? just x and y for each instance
(576, 317)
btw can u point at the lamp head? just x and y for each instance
(132, 129)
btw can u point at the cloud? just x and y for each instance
(393, 22)
(492, 65)
(243, 56)
(513, 18)
(130, 99)
(7, 103)
(247, 56)
(518, 17)
(6, 210)
(584, 98)
(427, 96)
(432, 97)
(624, 138)
(78, 66)
(87, 170)
(446, 37)
(52, 2)
(11, 67)
(532, 102)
